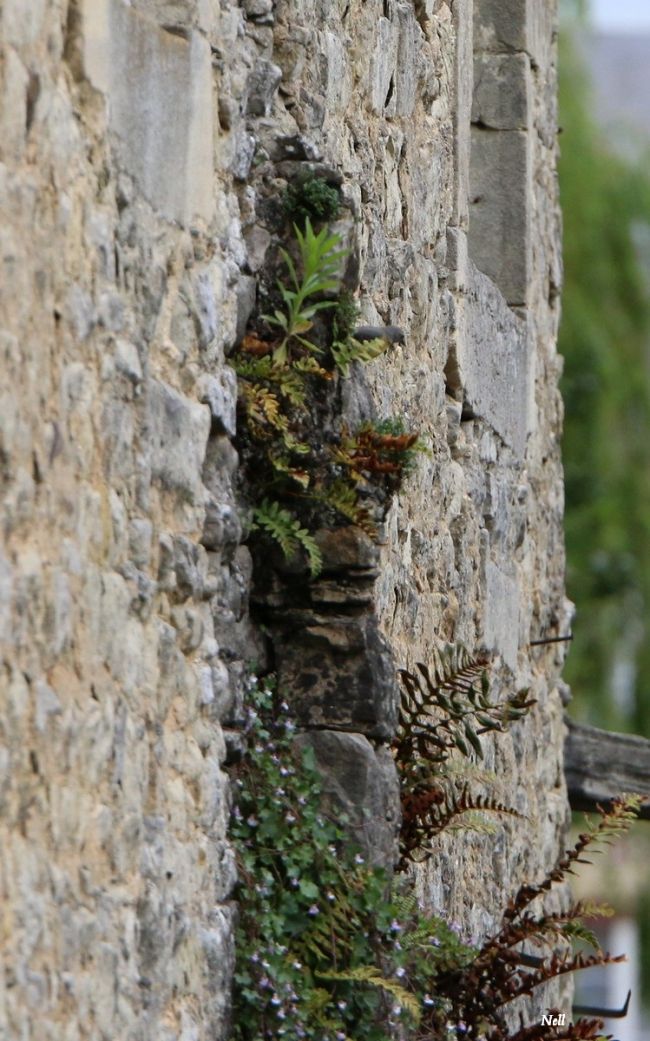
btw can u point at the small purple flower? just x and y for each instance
(252, 822)
(313, 910)
(297, 964)
(330, 896)
(284, 706)
(395, 927)
(290, 818)
(342, 1005)
(400, 972)
(275, 1000)
(428, 1000)
(358, 859)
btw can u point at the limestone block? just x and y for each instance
(340, 672)
(463, 89)
(494, 364)
(360, 782)
(383, 63)
(262, 85)
(220, 393)
(515, 25)
(502, 91)
(501, 619)
(501, 197)
(159, 91)
(179, 431)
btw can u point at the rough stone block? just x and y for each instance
(515, 25)
(360, 782)
(179, 431)
(501, 197)
(502, 91)
(501, 619)
(220, 393)
(463, 88)
(159, 90)
(341, 674)
(493, 355)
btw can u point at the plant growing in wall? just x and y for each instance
(304, 469)
(330, 948)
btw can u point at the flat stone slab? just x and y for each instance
(159, 89)
(360, 782)
(494, 361)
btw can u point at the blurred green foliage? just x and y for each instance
(605, 339)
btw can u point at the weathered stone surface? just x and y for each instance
(500, 210)
(502, 91)
(340, 673)
(159, 92)
(493, 355)
(360, 782)
(128, 197)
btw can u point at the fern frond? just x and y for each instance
(345, 352)
(285, 529)
(448, 707)
(343, 498)
(370, 975)
(427, 814)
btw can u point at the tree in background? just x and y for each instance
(605, 339)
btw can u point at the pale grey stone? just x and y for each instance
(159, 87)
(220, 393)
(179, 430)
(257, 240)
(140, 538)
(243, 157)
(360, 783)
(127, 361)
(501, 622)
(500, 210)
(502, 91)
(263, 83)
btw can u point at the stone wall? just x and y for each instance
(140, 145)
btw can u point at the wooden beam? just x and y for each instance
(599, 765)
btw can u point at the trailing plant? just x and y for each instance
(327, 948)
(320, 258)
(330, 948)
(310, 197)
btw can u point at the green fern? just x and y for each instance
(289, 383)
(347, 351)
(285, 529)
(370, 975)
(342, 497)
